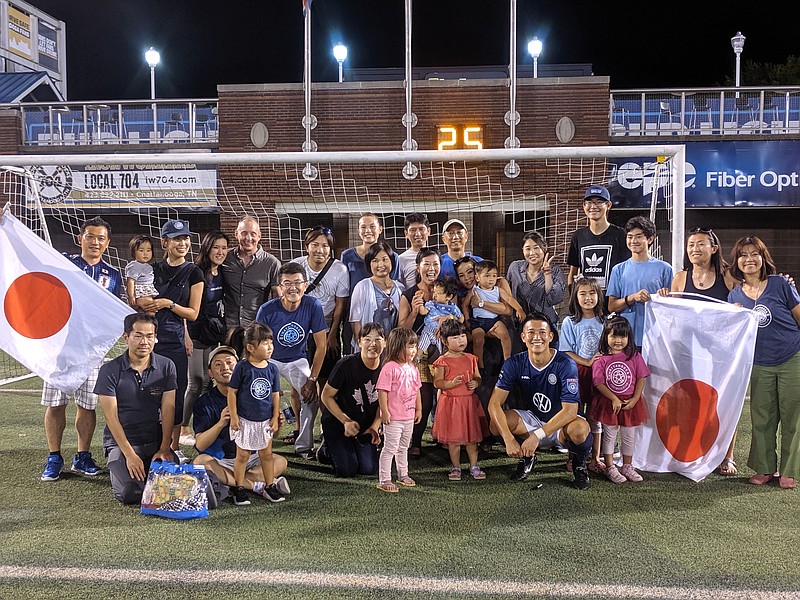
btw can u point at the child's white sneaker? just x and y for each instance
(614, 476)
(630, 474)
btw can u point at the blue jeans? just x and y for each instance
(350, 456)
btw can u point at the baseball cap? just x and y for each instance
(221, 350)
(453, 222)
(597, 191)
(175, 228)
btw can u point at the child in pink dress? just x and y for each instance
(618, 377)
(460, 420)
(401, 406)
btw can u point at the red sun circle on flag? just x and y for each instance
(37, 305)
(687, 420)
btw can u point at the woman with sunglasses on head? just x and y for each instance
(707, 274)
(428, 268)
(775, 379)
(376, 299)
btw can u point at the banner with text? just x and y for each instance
(123, 187)
(722, 173)
(19, 32)
(47, 42)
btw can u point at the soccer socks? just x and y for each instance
(582, 450)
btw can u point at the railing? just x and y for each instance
(121, 122)
(704, 111)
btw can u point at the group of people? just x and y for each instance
(380, 339)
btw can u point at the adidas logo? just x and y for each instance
(594, 260)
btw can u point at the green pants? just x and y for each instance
(774, 399)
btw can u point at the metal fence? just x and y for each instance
(704, 111)
(122, 122)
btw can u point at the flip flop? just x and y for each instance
(388, 486)
(406, 481)
(727, 468)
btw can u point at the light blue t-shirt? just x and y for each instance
(582, 338)
(629, 277)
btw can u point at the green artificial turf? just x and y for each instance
(666, 531)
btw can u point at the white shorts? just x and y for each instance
(84, 395)
(297, 372)
(252, 435)
(532, 423)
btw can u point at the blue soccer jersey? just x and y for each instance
(291, 329)
(254, 388)
(103, 273)
(542, 391)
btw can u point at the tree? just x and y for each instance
(766, 74)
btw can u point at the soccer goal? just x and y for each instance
(290, 192)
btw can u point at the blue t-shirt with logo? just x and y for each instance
(254, 388)
(778, 336)
(542, 391)
(582, 338)
(290, 329)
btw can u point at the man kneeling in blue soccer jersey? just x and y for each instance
(547, 381)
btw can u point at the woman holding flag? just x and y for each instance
(775, 380)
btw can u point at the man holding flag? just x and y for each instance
(94, 239)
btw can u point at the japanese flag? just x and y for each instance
(56, 321)
(700, 355)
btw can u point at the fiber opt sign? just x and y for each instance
(736, 173)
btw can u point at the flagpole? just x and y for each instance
(310, 172)
(512, 116)
(409, 118)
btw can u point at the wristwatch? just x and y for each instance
(481, 303)
(172, 305)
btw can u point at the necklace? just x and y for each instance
(758, 289)
(700, 281)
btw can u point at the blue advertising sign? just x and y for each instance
(721, 173)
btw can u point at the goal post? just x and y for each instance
(57, 192)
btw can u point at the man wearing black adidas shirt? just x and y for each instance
(594, 250)
(547, 382)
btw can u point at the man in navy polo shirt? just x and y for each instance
(547, 382)
(212, 433)
(292, 317)
(137, 394)
(94, 237)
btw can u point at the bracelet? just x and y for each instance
(172, 305)
(539, 433)
(312, 378)
(626, 301)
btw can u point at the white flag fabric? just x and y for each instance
(700, 355)
(56, 321)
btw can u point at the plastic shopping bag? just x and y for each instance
(175, 491)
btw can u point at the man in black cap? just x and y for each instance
(594, 250)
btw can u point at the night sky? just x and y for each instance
(638, 44)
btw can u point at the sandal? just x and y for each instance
(455, 474)
(388, 486)
(406, 481)
(597, 467)
(291, 438)
(727, 467)
(477, 472)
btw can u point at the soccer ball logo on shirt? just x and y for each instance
(618, 377)
(260, 388)
(290, 335)
(764, 315)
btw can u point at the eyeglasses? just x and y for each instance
(320, 229)
(597, 202)
(705, 230)
(463, 260)
(292, 285)
(456, 233)
(147, 337)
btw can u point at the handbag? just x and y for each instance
(210, 331)
(176, 491)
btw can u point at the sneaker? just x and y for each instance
(614, 476)
(524, 468)
(322, 454)
(630, 474)
(52, 468)
(272, 493)
(581, 474)
(282, 485)
(307, 454)
(84, 464)
(240, 497)
(182, 458)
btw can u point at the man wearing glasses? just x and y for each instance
(417, 230)
(455, 236)
(137, 394)
(594, 250)
(292, 317)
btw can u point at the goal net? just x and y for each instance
(137, 193)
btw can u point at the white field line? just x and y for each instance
(385, 582)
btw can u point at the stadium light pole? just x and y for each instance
(535, 49)
(340, 54)
(737, 43)
(153, 58)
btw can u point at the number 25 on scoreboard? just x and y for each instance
(452, 137)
